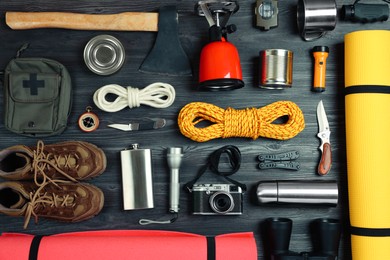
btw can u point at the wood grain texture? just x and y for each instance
(127, 21)
(326, 160)
(66, 46)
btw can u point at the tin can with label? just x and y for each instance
(104, 55)
(276, 68)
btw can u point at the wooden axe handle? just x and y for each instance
(128, 21)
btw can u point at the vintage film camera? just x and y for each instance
(217, 199)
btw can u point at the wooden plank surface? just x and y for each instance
(66, 46)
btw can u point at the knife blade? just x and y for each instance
(156, 124)
(324, 135)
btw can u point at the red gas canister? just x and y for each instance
(220, 66)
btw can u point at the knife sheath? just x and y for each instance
(127, 21)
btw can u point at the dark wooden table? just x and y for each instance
(66, 46)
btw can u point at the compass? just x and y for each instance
(88, 121)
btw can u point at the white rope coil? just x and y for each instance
(158, 95)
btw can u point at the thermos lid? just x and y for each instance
(267, 192)
(104, 55)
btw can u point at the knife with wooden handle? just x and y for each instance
(326, 160)
(324, 134)
(127, 21)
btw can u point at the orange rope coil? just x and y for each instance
(249, 122)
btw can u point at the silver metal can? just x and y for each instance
(276, 68)
(137, 178)
(104, 55)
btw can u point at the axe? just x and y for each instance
(167, 56)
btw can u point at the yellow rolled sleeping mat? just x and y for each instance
(367, 115)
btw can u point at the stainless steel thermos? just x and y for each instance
(301, 192)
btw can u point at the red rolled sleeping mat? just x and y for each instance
(128, 244)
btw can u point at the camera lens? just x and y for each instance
(221, 202)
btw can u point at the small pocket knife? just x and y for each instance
(154, 124)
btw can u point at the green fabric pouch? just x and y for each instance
(38, 97)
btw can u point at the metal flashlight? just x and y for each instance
(174, 155)
(320, 54)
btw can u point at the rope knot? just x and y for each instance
(133, 99)
(241, 123)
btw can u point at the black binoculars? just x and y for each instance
(365, 13)
(325, 235)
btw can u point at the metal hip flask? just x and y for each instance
(137, 178)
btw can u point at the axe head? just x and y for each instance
(167, 56)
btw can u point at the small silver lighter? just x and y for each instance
(137, 178)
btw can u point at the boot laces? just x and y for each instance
(39, 199)
(42, 161)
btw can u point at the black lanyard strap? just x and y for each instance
(234, 156)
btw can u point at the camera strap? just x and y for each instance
(234, 156)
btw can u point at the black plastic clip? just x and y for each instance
(279, 161)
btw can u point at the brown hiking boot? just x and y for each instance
(72, 160)
(59, 200)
